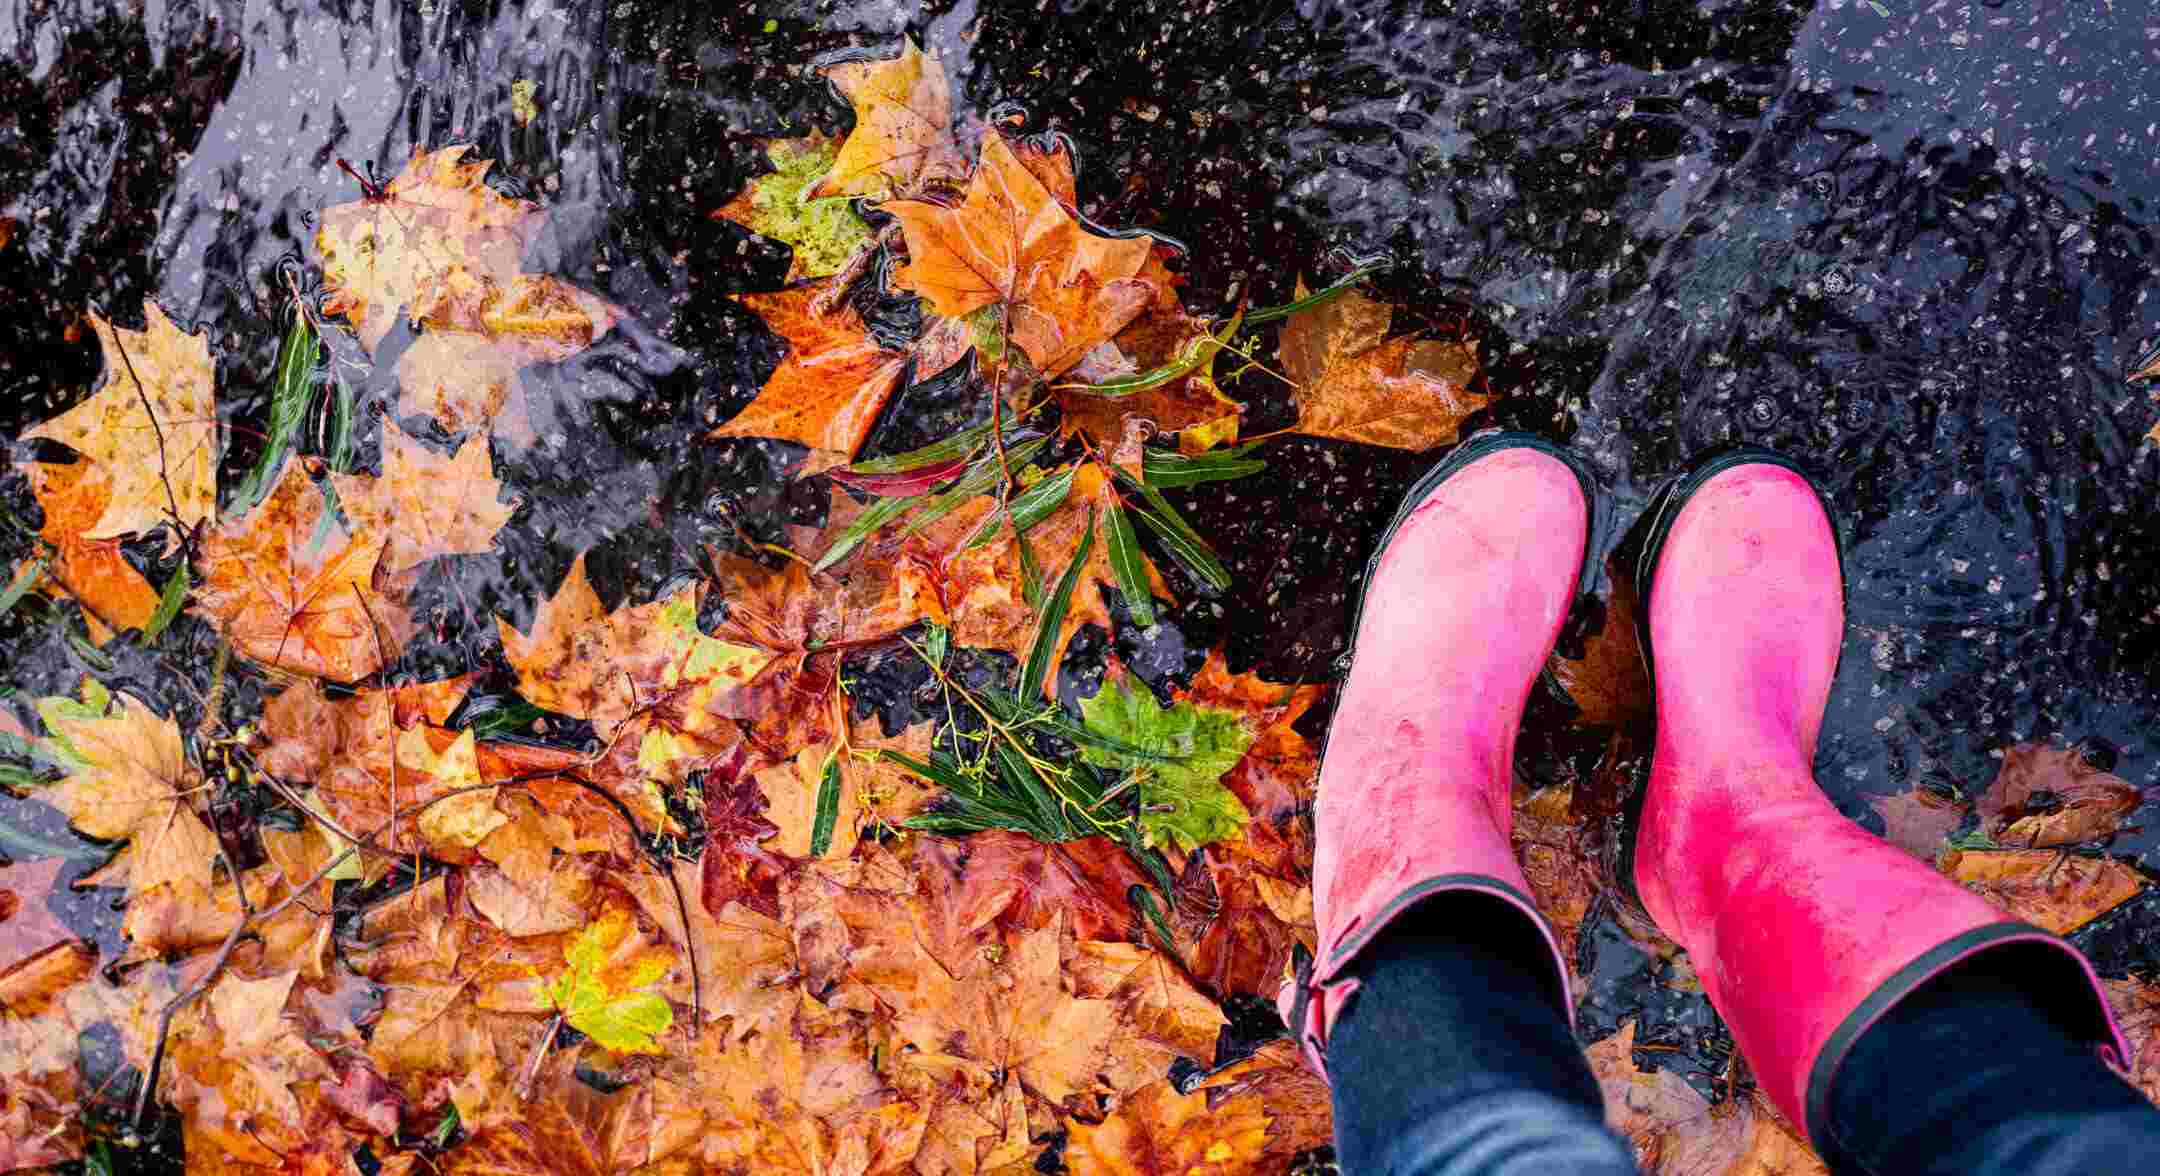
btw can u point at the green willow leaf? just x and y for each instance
(1177, 535)
(986, 472)
(290, 392)
(874, 516)
(169, 602)
(828, 806)
(1129, 564)
(1164, 470)
(24, 582)
(1270, 314)
(1028, 508)
(1052, 619)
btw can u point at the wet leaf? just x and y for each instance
(114, 595)
(835, 379)
(2048, 888)
(291, 587)
(2050, 796)
(1919, 821)
(427, 504)
(2137, 1013)
(603, 994)
(1354, 384)
(903, 125)
(1065, 290)
(1608, 684)
(151, 428)
(1158, 1131)
(132, 783)
(824, 234)
(1182, 800)
(27, 925)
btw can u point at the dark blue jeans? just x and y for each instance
(1455, 1058)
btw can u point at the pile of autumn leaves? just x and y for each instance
(819, 988)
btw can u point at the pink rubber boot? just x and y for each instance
(1462, 603)
(1804, 928)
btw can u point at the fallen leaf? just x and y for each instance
(152, 428)
(1064, 290)
(603, 994)
(2049, 888)
(2137, 1014)
(129, 780)
(1232, 940)
(553, 903)
(426, 503)
(2050, 796)
(291, 587)
(745, 962)
(48, 1096)
(1608, 684)
(27, 925)
(1182, 800)
(735, 866)
(835, 379)
(1919, 821)
(1157, 1132)
(1163, 1004)
(903, 125)
(113, 594)
(824, 234)
(1353, 384)
(650, 660)
(1561, 871)
(1669, 1125)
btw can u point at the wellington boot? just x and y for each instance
(1462, 602)
(1803, 927)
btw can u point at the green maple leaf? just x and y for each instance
(1182, 799)
(823, 233)
(604, 997)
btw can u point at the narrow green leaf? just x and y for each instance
(169, 602)
(874, 516)
(1052, 618)
(1270, 314)
(960, 444)
(291, 389)
(341, 424)
(986, 472)
(1031, 572)
(828, 805)
(1184, 543)
(1164, 469)
(936, 643)
(1029, 507)
(1130, 565)
(941, 774)
(25, 580)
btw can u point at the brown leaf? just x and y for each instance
(1563, 875)
(651, 661)
(1354, 384)
(1671, 1127)
(745, 964)
(2137, 1013)
(1918, 821)
(293, 589)
(1608, 685)
(554, 903)
(45, 1099)
(1158, 1131)
(2048, 888)
(1064, 289)
(1232, 941)
(735, 866)
(152, 428)
(835, 379)
(903, 125)
(438, 244)
(428, 504)
(1164, 1005)
(2050, 796)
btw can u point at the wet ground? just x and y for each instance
(1912, 243)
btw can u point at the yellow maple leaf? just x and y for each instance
(152, 427)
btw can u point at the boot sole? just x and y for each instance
(1640, 550)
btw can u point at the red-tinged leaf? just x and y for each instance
(736, 867)
(903, 485)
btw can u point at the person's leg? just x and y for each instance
(1454, 1057)
(1978, 1073)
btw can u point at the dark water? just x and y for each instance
(1912, 243)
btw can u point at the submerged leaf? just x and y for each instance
(823, 233)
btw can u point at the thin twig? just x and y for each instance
(171, 500)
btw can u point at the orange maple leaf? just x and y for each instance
(1064, 289)
(835, 380)
(293, 588)
(113, 594)
(1355, 384)
(428, 504)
